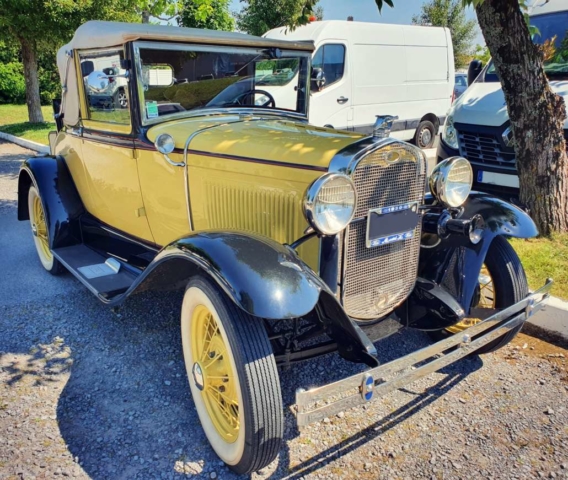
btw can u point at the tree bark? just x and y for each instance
(537, 114)
(32, 82)
(145, 16)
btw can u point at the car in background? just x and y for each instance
(460, 84)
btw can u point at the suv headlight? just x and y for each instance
(329, 203)
(451, 180)
(450, 134)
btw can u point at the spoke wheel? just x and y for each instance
(40, 232)
(233, 378)
(502, 283)
(214, 375)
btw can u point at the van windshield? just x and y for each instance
(552, 33)
(175, 79)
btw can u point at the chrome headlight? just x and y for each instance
(451, 180)
(450, 134)
(329, 204)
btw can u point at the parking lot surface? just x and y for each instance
(87, 392)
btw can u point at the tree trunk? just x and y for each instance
(537, 114)
(145, 16)
(32, 82)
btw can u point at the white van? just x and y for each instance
(369, 69)
(478, 126)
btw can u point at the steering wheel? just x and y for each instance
(269, 103)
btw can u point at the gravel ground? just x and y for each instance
(87, 392)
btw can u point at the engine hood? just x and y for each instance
(484, 104)
(277, 139)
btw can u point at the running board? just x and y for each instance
(103, 276)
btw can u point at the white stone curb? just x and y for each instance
(38, 147)
(558, 303)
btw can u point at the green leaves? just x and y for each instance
(381, 2)
(211, 14)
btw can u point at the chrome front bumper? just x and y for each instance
(317, 403)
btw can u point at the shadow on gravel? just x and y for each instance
(10, 166)
(389, 349)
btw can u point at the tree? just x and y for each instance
(165, 10)
(450, 14)
(214, 15)
(38, 25)
(259, 16)
(536, 113)
(482, 54)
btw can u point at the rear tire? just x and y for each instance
(509, 287)
(233, 378)
(425, 134)
(38, 221)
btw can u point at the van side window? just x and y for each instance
(107, 98)
(331, 60)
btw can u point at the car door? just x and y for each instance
(331, 103)
(108, 147)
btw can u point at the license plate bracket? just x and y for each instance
(387, 225)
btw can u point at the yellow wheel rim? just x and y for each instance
(486, 300)
(213, 374)
(39, 228)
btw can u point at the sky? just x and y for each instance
(366, 10)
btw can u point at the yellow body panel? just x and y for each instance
(231, 188)
(115, 188)
(275, 140)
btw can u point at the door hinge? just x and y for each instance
(135, 154)
(140, 212)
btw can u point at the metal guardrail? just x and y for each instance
(371, 385)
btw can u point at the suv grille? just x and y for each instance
(485, 148)
(378, 279)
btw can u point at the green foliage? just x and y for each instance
(164, 10)
(482, 54)
(450, 14)
(259, 16)
(12, 85)
(214, 15)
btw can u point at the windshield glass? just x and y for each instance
(551, 31)
(178, 78)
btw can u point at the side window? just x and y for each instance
(331, 60)
(106, 88)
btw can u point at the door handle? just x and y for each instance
(342, 100)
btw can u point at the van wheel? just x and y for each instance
(425, 134)
(233, 378)
(121, 99)
(41, 234)
(502, 283)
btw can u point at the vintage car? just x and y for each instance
(291, 241)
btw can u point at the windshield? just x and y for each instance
(551, 31)
(178, 78)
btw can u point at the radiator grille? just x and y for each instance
(378, 279)
(486, 149)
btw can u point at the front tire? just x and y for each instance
(503, 284)
(41, 234)
(233, 378)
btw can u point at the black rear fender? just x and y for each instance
(61, 201)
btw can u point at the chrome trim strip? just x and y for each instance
(497, 324)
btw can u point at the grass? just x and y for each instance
(545, 257)
(14, 120)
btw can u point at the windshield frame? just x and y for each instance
(161, 45)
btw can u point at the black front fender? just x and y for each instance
(455, 262)
(264, 278)
(61, 202)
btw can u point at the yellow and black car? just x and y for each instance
(291, 241)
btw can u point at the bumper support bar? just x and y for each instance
(315, 404)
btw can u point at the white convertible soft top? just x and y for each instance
(98, 34)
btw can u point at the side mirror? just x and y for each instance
(473, 71)
(318, 79)
(98, 82)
